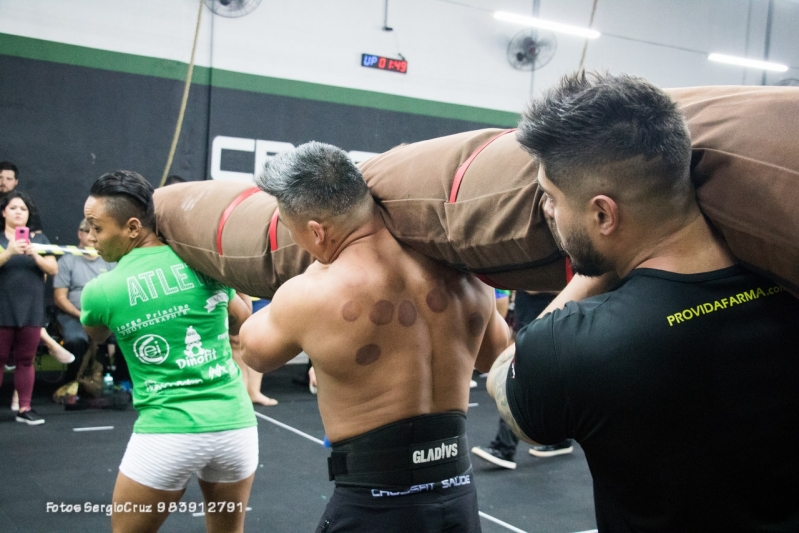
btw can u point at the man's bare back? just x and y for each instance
(391, 334)
(393, 337)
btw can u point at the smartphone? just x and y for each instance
(22, 234)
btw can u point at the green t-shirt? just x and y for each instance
(172, 326)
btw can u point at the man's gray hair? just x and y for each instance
(313, 180)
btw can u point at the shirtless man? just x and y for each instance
(393, 336)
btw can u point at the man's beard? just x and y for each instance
(585, 259)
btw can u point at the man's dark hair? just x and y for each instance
(8, 165)
(127, 195)
(314, 180)
(174, 178)
(621, 133)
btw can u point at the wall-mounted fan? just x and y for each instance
(232, 8)
(531, 49)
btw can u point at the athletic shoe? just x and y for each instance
(472, 384)
(30, 417)
(551, 450)
(493, 456)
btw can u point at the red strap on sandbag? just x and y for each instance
(222, 221)
(569, 272)
(456, 183)
(273, 230)
(491, 283)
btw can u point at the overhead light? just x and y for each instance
(547, 25)
(751, 63)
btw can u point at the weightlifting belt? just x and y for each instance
(422, 449)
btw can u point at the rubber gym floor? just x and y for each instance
(43, 467)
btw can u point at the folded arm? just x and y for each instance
(63, 303)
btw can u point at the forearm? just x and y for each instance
(63, 303)
(579, 288)
(98, 334)
(46, 264)
(4, 257)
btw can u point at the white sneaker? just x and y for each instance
(492, 456)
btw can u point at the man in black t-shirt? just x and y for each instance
(679, 380)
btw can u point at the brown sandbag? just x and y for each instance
(495, 227)
(492, 224)
(746, 168)
(230, 245)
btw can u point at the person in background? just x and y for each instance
(22, 288)
(9, 180)
(74, 272)
(8, 177)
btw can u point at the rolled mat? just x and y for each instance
(471, 200)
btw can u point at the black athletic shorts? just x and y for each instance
(448, 505)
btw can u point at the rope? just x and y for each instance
(585, 46)
(179, 125)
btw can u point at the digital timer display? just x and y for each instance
(384, 63)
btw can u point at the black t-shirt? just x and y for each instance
(683, 390)
(22, 288)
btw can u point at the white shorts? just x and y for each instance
(166, 461)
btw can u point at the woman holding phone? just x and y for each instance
(22, 290)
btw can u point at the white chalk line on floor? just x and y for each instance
(500, 522)
(284, 426)
(95, 428)
(298, 432)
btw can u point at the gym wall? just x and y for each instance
(89, 86)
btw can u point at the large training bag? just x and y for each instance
(471, 200)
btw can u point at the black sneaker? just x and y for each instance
(551, 450)
(30, 417)
(493, 456)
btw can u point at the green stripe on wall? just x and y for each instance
(26, 47)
